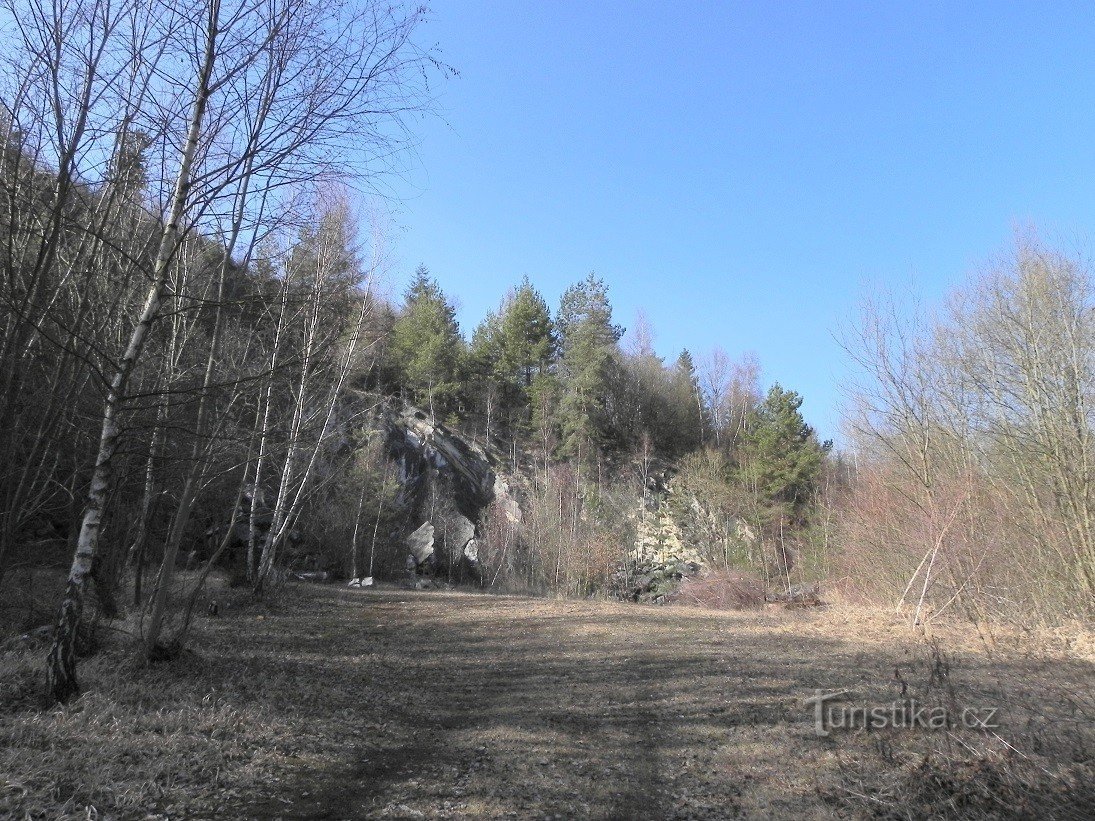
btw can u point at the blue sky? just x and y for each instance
(743, 171)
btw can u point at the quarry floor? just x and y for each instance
(385, 703)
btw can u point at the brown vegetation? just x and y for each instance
(721, 590)
(974, 487)
(343, 703)
(573, 535)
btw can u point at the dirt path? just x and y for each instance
(370, 704)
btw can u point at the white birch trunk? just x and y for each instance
(61, 663)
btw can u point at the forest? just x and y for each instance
(161, 373)
(202, 371)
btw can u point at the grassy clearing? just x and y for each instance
(342, 703)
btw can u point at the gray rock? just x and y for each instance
(420, 543)
(446, 451)
(505, 501)
(458, 532)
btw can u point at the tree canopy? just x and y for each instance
(426, 345)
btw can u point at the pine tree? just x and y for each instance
(527, 334)
(589, 369)
(781, 456)
(586, 303)
(427, 347)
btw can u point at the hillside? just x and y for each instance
(651, 432)
(337, 703)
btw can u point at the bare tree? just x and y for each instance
(975, 435)
(321, 378)
(62, 655)
(715, 383)
(76, 80)
(278, 96)
(730, 389)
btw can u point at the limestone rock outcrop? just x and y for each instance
(675, 540)
(446, 483)
(660, 559)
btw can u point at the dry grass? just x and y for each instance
(382, 703)
(721, 590)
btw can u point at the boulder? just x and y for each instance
(458, 532)
(420, 544)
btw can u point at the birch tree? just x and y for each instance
(61, 669)
(279, 96)
(77, 90)
(976, 435)
(328, 353)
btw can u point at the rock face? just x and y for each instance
(671, 536)
(660, 559)
(446, 482)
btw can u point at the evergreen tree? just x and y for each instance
(327, 247)
(485, 350)
(486, 377)
(589, 371)
(427, 347)
(641, 398)
(781, 457)
(508, 350)
(659, 405)
(527, 335)
(586, 304)
(685, 407)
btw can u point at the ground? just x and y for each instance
(338, 703)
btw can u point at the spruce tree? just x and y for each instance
(490, 391)
(427, 347)
(485, 350)
(508, 351)
(589, 369)
(527, 335)
(685, 407)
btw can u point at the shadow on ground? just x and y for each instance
(386, 703)
(460, 704)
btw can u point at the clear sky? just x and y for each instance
(742, 171)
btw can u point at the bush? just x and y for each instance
(572, 538)
(721, 590)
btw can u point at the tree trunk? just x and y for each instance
(61, 663)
